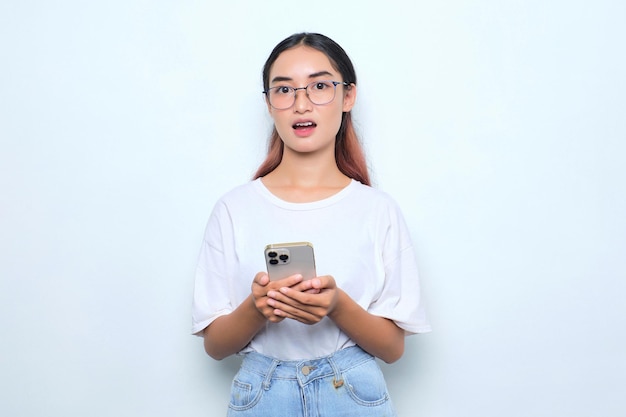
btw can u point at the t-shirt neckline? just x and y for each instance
(325, 202)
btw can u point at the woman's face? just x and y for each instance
(307, 127)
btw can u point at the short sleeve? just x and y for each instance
(212, 292)
(400, 299)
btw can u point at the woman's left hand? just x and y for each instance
(307, 302)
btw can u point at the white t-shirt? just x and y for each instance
(359, 237)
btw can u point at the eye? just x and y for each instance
(321, 85)
(281, 90)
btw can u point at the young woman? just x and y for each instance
(308, 346)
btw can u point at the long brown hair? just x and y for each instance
(349, 153)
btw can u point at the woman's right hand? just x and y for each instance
(261, 285)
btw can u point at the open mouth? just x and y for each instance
(304, 125)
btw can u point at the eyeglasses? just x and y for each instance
(319, 92)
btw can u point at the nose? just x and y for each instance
(302, 103)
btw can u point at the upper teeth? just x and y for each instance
(304, 124)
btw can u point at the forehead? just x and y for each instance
(301, 62)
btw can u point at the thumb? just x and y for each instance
(262, 279)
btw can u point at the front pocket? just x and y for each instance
(246, 390)
(366, 384)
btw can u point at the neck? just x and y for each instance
(308, 169)
(305, 177)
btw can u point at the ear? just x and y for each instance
(349, 97)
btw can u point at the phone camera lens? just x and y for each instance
(272, 254)
(273, 261)
(283, 257)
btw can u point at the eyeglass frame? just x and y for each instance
(305, 88)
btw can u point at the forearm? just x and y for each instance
(379, 336)
(230, 333)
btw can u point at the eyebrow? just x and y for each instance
(314, 75)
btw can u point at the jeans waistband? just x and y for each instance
(306, 370)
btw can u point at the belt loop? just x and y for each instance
(268, 378)
(337, 379)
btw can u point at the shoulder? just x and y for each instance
(240, 193)
(234, 200)
(379, 207)
(374, 197)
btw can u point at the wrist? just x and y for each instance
(335, 311)
(256, 313)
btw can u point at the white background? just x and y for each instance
(498, 126)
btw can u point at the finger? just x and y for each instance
(261, 279)
(323, 282)
(285, 311)
(276, 297)
(294, 308)
(307, 285)
(290, 281)
(299, 299)
(315, 285)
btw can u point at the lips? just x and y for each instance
(304, 125)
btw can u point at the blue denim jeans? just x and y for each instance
(346, 383)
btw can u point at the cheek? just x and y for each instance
(280, 122)
(282, 127)
(335, 123)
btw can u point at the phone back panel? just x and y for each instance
(286, 259)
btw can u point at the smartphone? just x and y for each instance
(286, 259)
